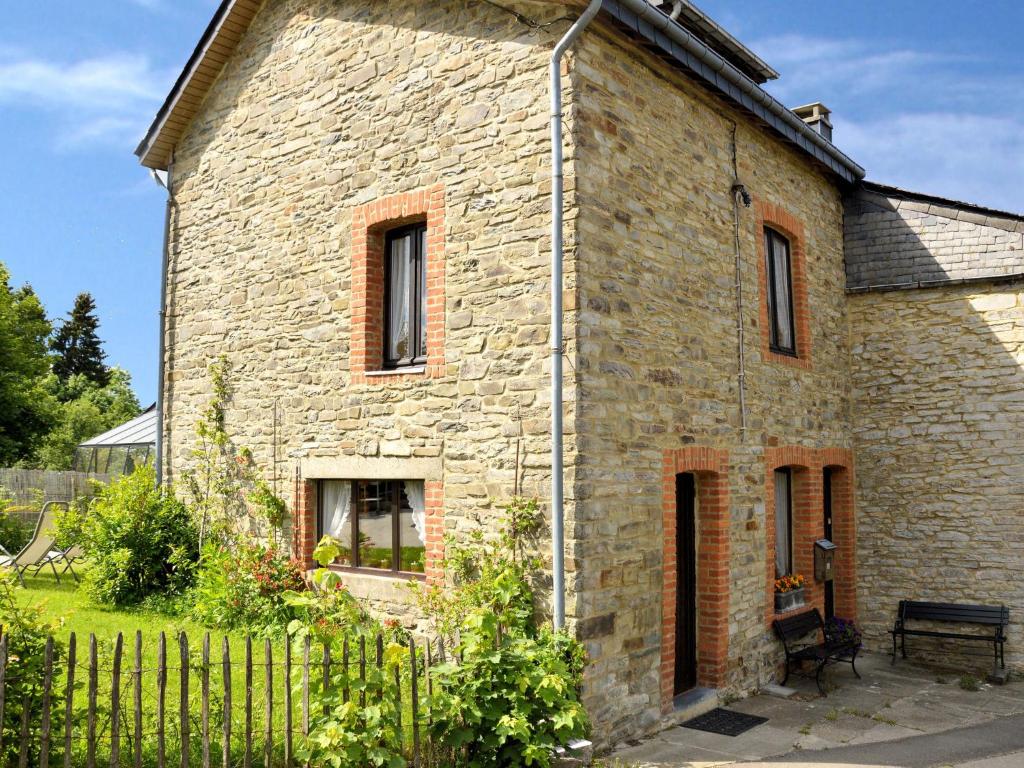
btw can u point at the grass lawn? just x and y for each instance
(66, 602)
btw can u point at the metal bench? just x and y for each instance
(793, 629)
(995, 616)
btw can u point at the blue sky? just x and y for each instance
(926, 95)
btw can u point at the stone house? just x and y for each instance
(359, 221)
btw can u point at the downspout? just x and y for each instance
(739, 196)
(557, 253)
(162, 344)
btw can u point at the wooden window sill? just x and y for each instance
(411, 369)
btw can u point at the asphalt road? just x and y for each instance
(998, 743)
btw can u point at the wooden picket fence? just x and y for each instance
(125, 718)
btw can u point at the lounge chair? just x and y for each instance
(40, 550)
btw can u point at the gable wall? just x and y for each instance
(336, 115)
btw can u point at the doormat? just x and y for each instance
(725, 722)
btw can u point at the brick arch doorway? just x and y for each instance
(709, 538)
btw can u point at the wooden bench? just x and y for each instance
(793, 629)
(996, 617)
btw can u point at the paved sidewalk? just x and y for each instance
(853, 723)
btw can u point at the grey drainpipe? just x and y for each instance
(164, 265)
(557, 185)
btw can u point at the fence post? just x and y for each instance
(247, 757)
(115, 704)
(414, 703)
(44, 734)
(3, 686)
(268, 715)
(90, 754)
(69, 698)
(137, 721)
(206, 700)
(226, 746)
(288, 702)
(186, 744)
(161, 699)
(305, 687)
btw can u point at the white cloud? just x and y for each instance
(93, 100)
(931, 122)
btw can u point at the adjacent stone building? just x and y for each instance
(937, 320)
(360, 224)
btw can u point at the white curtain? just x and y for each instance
(782, 518)
(398, 320)
(337, 500)
(414, 491)
(784, 305)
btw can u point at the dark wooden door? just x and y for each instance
(686, 583)
(830, 592)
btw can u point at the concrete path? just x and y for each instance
(887, 719)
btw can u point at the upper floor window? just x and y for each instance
(405, 296)
(778, 267)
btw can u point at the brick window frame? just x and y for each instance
(777, 218)
(304, 529)
(370, 223)
(711, 467)
(809, 525)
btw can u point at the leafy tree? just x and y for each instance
(85, 410)
(77, 346)
(26, 408)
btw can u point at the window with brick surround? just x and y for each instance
(379, 524)
(783, 522)
(778, 267)
(405, 296)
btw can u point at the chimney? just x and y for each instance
(816, 115)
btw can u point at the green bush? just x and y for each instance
(245, 587)
(26, 630)
(139, 539)
(514, 695)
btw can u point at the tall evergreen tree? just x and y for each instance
(77, 345)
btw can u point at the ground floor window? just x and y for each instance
(783, 522)
(381, 524)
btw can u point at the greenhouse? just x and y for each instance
(122, 449)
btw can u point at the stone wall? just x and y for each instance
(938, 380)
(333, 118)
(657, 372)
(900, 239)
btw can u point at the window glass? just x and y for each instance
(380, 524)
(780, 292)
(399, 278)
(783, 523)
(376, 522)
(412, 528)
(336, 516)
(422, 295)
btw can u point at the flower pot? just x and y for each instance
(787, 601)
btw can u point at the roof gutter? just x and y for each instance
(657, 28)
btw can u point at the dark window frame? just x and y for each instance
(417, 296)
(774, 329)
(396, 543)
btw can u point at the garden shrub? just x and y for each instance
(345, 733)
(139, 539)
(245, 587)
(514, 695)
(26, 630)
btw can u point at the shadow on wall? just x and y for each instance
(938, 385)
